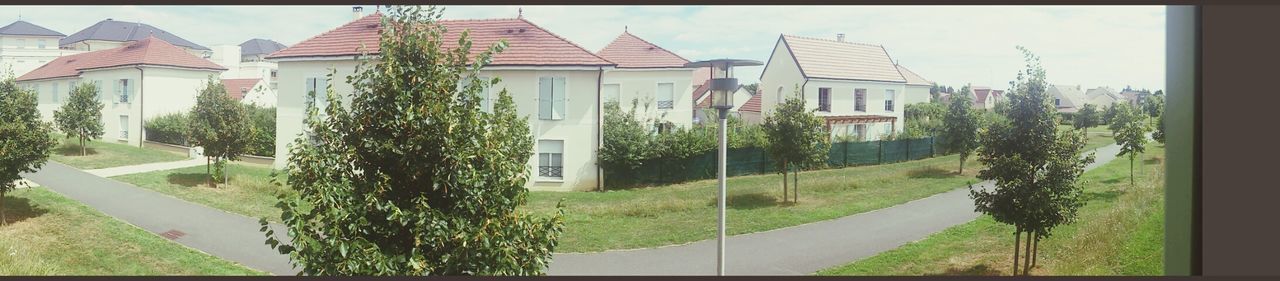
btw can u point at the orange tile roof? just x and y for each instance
(527, 44)
(629, 51)
(149, 51)
(753, 104)
(237, 88)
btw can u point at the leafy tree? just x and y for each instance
(1158, 135)
(1153, 107)
(221, 126)
(1109, 114)
(1130, 133)
(24, 139)
(923, 119)
(960, 126)
(81, 116)
(751, 88)
(412, 177)
(626, 140)
(797, 139)
(1034, 167)
(1086, 117)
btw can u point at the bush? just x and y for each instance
(169, 128)
(263, 140)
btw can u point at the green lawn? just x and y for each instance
(1118, 232)
(48, 234)
(249, 191)
(106, 154)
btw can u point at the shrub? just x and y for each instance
(263, 140)
(169, 128)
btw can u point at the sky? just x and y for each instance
(1091, 46)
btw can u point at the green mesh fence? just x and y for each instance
(756, 160)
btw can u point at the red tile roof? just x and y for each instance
(527, 44)
(699, 92)
(237, 88)
(149, 51)
(629, 51)
(753, 104)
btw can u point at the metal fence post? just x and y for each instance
(908, 150)
(880, 153)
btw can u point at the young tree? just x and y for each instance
(1130, 133)
(221, 126)
(1109, 114)
(24, 140)
(81, 116)
(960, 126)
(797, 139)
(1153, 107)
(413, 177)
(1086, 117)
(626, 139)
(1034, 167)
(1158, 135)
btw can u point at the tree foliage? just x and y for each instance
(960, 126)
(1035, 168)
(1158, 135)
(1109, 114)
(1130, 131)
(413, 177)
(220, 125)
(797, 138)
(25, 141)
(1086, 117)
(923, 119)
(81, 116)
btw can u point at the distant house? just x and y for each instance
(702, 111)
(651, 75)
(553, 81)
(248, 60)
(1067, 98)
(136, 81)
(250, 91)
(855, 87)
(917, 87)
(25, 46)
(109, 33)
(1103, 97)
(1134, 98)
(750, 110)
(985, 97)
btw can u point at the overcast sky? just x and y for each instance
(953, 45)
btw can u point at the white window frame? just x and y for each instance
(889, 100)
(40, 44)
(124, 90)
(97, 86)
(860, 131)
(657, 96)
(616, 95)
(54, 94)
(856, 102)
(124, 127)
(827, 97)
(319, 84)
(548, 108)
(551, 157)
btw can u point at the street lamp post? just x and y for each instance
(722, 86)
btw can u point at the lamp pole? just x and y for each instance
(724, 147)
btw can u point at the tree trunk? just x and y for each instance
(208, 173)
(1035, 251)
(962, 157)
(1026, 260)
(1131, 182)
(784, 180)
(83, 151)
(3, 220)
(795, 186)
(1017, 241)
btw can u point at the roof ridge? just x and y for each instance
(566, 40)
(378, 14)
(652, 44)
(833, 41)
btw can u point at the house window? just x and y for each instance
(888, 100)
(888, 128)
(273, 73)
(551, 98)
(124, 127)
(316, 91)
(55, 92)
(666, 93)
(97, 89)
(824, 99)
(1057, 102)
(551, 159)
(40, 43)
(123, 90)
(860, 131)
(779, 100)
(486, 103)
(610, 92)
(860, 100)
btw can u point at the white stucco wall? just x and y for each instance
(916, 94)
(779, 80)
(578, 130)
(260, 94)
(21, 54)
(642, 84)
(781, 77)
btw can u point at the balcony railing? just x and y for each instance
(550, 171)
(666, 104)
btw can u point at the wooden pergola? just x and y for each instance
(857, 119)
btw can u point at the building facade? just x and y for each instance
(653, 77)
(25, 46)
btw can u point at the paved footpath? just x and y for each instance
(230, 236)
(797, 250)
(148, 167)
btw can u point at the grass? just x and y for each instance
(105, 154)
(249, 191)
(1118, 232)
(48, 234)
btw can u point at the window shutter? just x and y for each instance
(559, 98)
(486, 104)
(545, 98)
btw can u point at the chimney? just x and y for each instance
(357, 12)
(840, 37)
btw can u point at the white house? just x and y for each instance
(137, 81)
(854, 86)
(702, 103)
(109, 33)
(1102, 97)
(1067, 98)
(651, 75)
(25, 46)
(248, 60)
(554, 82)
(251, 91)
(917, 87)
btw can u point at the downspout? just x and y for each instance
(599, 130)
(142, 120)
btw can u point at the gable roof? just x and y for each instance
(237, 88)
(629, 51)
(1070, 95)
(527, 44)
(149, 51)
(123, 31)
(821, 58)
(257, 46)
(21, 27)
(912, 77)
(980, 94)
(753, 104)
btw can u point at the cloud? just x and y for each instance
(953, 45)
